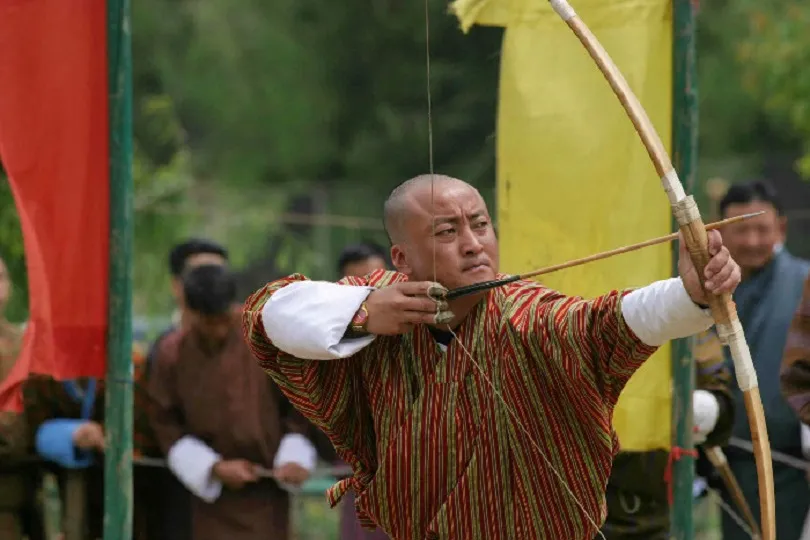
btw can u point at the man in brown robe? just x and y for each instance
(229, 434)
(175, 500)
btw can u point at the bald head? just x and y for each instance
(400, 201)
(440, 230)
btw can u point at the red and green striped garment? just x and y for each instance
(435, 453)
(795, 371)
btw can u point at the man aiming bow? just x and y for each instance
(496, 425)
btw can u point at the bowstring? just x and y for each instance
(430, 136)
(469, 355)
(535, 444)
(737, 518)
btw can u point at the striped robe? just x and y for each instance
(435, 454)
(795, 373)
(637, 493)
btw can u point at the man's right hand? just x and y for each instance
(235, 473)
(395, 309)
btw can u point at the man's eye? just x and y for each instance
(481, 224)
(444, 232)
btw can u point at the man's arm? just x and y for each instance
(309, 319)
(297, 329)
(189, 458)
(61, 433)
(795, 372)
(603, 341)
(713, 402)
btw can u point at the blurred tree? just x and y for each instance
(281, 91)
(773, 55)
(264, 101)
(13, 252)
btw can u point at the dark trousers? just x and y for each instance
(635, 517)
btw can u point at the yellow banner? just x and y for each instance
(573, 176)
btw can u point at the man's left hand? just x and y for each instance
(722, 274)
(89, 436)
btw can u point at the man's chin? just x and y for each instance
(752, 263)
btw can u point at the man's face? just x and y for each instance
(5, 286)
(462, 239)
(751, 242)
(198, 259)
(212, 330)
(364, 267)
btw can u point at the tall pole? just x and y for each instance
(684, 137)
(118, 496)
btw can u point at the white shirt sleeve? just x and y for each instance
(192, 461)
(295, 448)
(663, 311)
(706, 411)
(308, 319)
(805, 440)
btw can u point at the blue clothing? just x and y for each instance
(766, 302)
(54, 438)
(54, 442)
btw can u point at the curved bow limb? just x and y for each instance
(718, 460)
(694, 232)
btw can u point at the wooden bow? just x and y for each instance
(691, 225)
(718, 460)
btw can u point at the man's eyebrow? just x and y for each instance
(445, 219)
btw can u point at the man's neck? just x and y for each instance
(183, 320)
(751, 271)
(461, 309)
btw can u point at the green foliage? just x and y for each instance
(771, 54)
(239, 113)
(283, 91)
(160, 193)
(728, 113)
(12, 251)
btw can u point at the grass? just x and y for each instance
(314, 520)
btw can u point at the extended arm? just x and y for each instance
(296, 329)
(60, 421)
(663, 311)
(603, 341)
(309, 319)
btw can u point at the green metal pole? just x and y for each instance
(118, 496)
(684, 137)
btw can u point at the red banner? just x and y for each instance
(54, 148)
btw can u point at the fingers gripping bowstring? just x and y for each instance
(469, 355)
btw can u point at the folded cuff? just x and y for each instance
(54, 442)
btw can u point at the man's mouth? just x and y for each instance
(476, 267)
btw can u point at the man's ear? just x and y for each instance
(400, 260)
(177, 290)
(783, 227)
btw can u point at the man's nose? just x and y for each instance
(471, 244)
